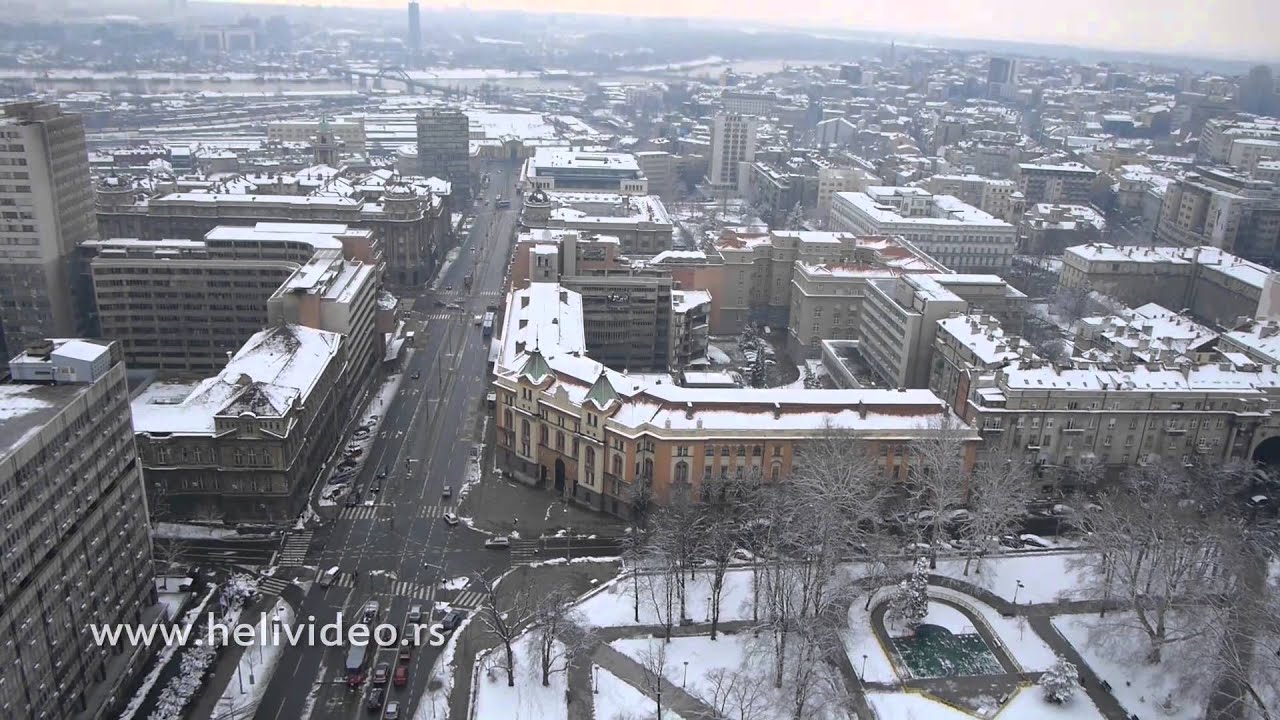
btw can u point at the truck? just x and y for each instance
(356, 657)
(466, 281)
(487, 325)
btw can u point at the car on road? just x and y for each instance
(416, 374)
(447, 491)
(381, 674)
(448, 288)
(477, 320)
(405, 653)
(498, 543)
(353, 497)
(371, 611)
(453, 306)
(415, 614)
(452, 620)
(400, 676)
(438, 302)
(491, 399)
(450, 519)
(392, 712)
(375, 699)
(383, 472)
(329, 576)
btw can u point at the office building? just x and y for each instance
(248, 443)
(415, 31)
(350, 132)
(46, 203)
(733, 142)
(997, 197)
(956, 234)
(662, 171)
(569, 424)
(1223, 209)
(1049, 229)
(742, 102)
(832, 180)
(1219, 133)
(77, 543)
(444, 150)
(1002, 78)
(639, 222)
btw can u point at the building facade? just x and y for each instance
(733, 142)
(77, 543)
(1068, 183)
(46, 199)
(444, 150)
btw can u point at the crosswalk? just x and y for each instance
(437, 316)
(435, 511)
(469, 599)
(489, 293)
(524, 552)
(404, 588)
(294, 550)
(360, 512)
(272, 585)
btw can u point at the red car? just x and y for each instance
(400, 677)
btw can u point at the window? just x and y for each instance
(742, 451)
(560, 441)
(710, 451)
(542, 434)
(682, 472)
(590, 459)
(617, 465)
(775, 472)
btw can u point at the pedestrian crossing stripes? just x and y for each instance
(438, 316)
(435, 511)
(343, 579)
(359, 512)
(524, 552)
(294, 549)
(489, 293)
(404, 588)
(272, 585)
(467, 599)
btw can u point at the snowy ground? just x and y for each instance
(1029, 704)
(1045, 577)
(163, 658)
(434, 704)
(528, 700)
(172, 602)
(614, 606)
(909, 706)
(1021, 642)
(444, 268)
(1172, 689)
(257, 663)
(865, 652)
(616, 700)
(457, 583)
(180, 531)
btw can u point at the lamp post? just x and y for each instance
(1015, 592)
(596, 673)
(684, 684)
(864, 668)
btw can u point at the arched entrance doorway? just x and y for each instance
(1268, 453)
(559, 475)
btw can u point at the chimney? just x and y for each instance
(688, 411)
(777, 411)
(862, 410)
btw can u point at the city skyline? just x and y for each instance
(1235, 29)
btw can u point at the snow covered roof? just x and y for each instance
(276, 369)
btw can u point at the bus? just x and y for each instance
(487, 328)
(355, 665)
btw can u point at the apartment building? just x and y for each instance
(733, 142)
(248, 443)
(969, 345)
(832, 180)
(557, 169)
(410, 219)
(639, 222)
(1149, 333)
(662, 171)
(350, 132)
(77, 543)
(444, 149)
(186, 305)
(571, 425)
(1216, 287)
(1222, 209)
(900, 316)
(1218, 134)
(994, 196)
(1068, 183)
(956, 234)
(46, 210)
(742, 102)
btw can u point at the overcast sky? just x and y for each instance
(1223, 28)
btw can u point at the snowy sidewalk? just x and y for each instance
(634, 674)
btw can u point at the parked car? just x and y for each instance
(498, 543)
(375, 698)
(1035, 541)
(371, 611)
(447, 491)
(415, 614)
(381, 674)
(392, 712)
(400, 676)
(452, 620)
(450, 519)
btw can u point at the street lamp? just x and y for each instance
(864, 668)
(1015, 592)
(685, 682)
(596, 686)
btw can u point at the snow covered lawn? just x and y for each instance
(1045, 577)
(1029, 704)
(615, 605)
(257, 663)
(909, 706)
(616, 700)
(862, 646)
(528, 700)
(1116, 654)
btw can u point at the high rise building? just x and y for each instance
(444, 150)
(415, 31)
(46, 210)
(1002, 77)
(77, 546)
(733, 141)
(1257, 92)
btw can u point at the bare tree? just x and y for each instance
(653, 663)
(735, 694)
(658, 583)
(1000, 491)
(1162, 554)
(503, 614)
(679, 526)
(560, 635)
(938, 480)
(171, 554)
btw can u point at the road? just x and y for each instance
(398, 550)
